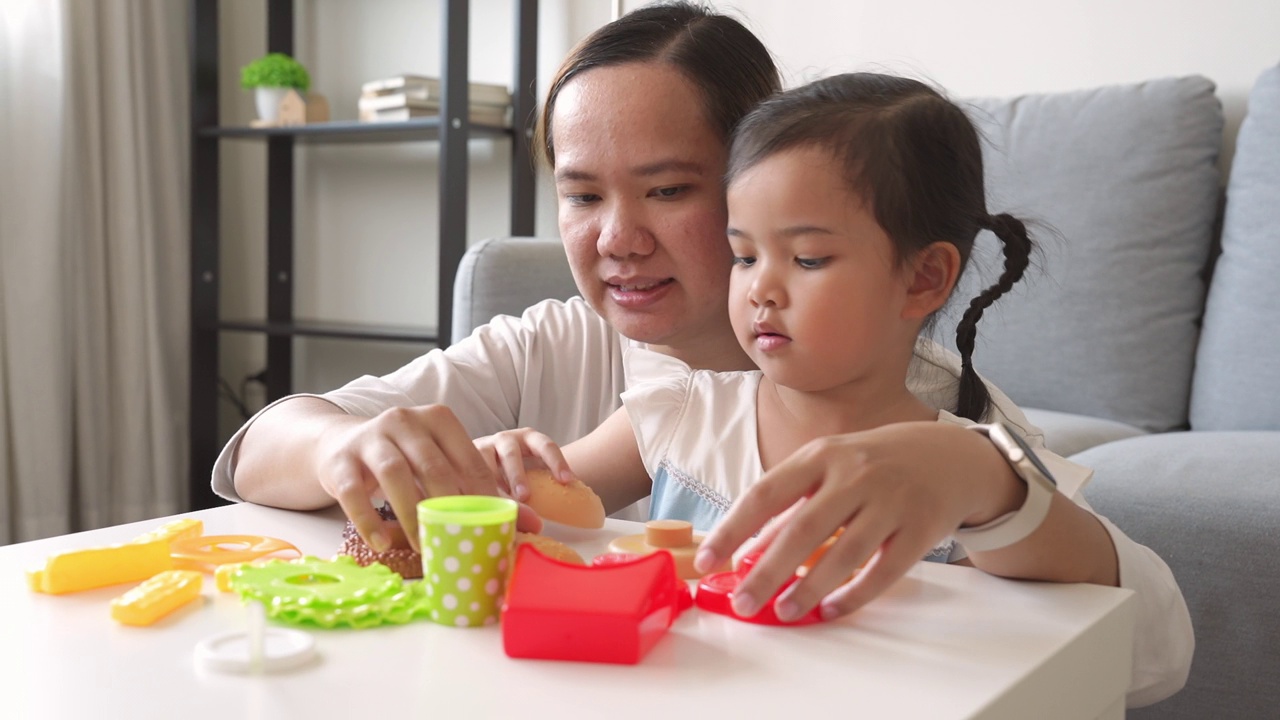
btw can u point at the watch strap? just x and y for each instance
(1013, 526)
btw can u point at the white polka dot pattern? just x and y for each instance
(464, 570)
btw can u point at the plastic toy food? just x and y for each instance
(715, 594)
(550, 547)
(207, 552)
(569, 504)
(403, 560)
(674, 536)
(170, 531)
(611, 613)
(157, 597)
(330, 593)
(77, 570)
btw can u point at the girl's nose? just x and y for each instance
(767, 288)
(624, 233)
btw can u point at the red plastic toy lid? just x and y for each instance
(715, 594)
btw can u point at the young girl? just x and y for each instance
(854, 203)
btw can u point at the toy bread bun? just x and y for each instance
(553, 549)
(570, 504)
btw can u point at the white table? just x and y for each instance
(945, 642)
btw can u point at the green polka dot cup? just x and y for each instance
(466, 545)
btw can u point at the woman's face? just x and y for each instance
(638, 173)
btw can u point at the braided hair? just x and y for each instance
(915, 158)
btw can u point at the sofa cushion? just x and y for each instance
(1125, 181)
(1237, 378)
(1206, 503)
(1067, 434)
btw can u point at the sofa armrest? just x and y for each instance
(1207, 503)
(503, 276)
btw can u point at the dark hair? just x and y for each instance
(723, 59)
(915, 158)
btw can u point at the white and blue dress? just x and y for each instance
(696, 430)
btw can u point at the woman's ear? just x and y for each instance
(933, 273)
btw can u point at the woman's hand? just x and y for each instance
(897, 491)
(509, 453)
(406, 454)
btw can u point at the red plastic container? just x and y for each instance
(611, 613)
(715, 594)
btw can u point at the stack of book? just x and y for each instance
(410, 96)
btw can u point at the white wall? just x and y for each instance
(366, 214)
(1010, 47)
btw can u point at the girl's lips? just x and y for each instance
(637, 294)
(769, 342)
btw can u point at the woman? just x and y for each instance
(635, 129)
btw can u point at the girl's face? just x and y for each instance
(816, 296)
(642, 213)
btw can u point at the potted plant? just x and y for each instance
(271, 77)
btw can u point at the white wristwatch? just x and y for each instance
(1012, 527)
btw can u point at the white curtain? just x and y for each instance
(93, 263)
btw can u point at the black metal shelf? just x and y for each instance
(279, 325)
(332, 329)
(350, 131)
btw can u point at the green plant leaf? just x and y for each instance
(275, 70)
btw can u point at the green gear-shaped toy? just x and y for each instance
(330, 593)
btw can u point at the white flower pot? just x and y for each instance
(268, 101)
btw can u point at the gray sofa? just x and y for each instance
(1146, 343)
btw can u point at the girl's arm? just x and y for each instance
(608, 460)
(895, 502)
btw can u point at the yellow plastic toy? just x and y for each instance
(170, 531)
(157, 597)
(77, 570)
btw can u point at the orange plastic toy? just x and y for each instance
(674, 536)
(208, 552)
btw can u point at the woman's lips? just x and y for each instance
(636, 293)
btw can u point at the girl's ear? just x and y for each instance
(933, 273)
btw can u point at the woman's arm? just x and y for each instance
(306, 453)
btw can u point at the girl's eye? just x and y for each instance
(812, 263)
(744, 260)
(669, 192)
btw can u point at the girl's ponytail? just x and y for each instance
(974, 401)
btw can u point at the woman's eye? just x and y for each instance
(744, 260)
(811, 263)
(581, 198)
(669, 192)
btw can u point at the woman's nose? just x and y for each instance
(624, 232)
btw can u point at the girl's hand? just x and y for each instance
(510, 452)
(897, 491)
(404, 454)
